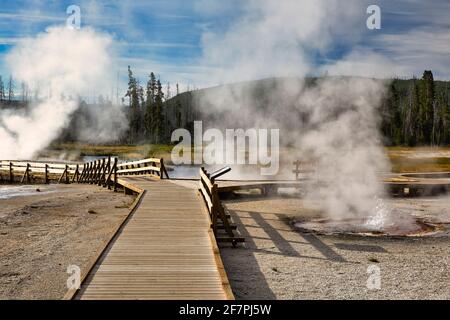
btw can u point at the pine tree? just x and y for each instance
(10, 89)
(158, 113)
(149, 106)
(427, 106)
(178, 113)
(2, 89)
(133, 95)
(141, 111)
(412, 130)
(439, 123)
(391, 123)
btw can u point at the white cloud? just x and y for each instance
(363, 62)
(274, 38)
(31, 17)
(9, 40)
(419, 49)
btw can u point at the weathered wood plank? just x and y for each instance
(165, 250)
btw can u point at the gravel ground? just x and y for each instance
(279, 262)
(42, 234)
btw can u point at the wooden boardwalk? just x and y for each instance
(166, 250)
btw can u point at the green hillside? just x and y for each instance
(414, 112)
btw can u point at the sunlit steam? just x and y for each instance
(60, 65)
(333, 122)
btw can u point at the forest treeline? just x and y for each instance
(148, 118)
(414, 112)
(417, 112)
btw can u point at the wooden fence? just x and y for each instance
(36, 171)
(224, 230)
(103, 172)
(151, 166)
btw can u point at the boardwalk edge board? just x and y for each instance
(72, 293)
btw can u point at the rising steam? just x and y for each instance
(333, 123)
(60, 65)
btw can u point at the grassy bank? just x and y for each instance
(402, 159)
(419, 159)
(79, 150)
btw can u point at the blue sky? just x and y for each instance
(167, 36)
(157, 35)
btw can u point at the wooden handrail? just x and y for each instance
(102, 172)
(210, 194)
(38, 168)
(152, 166)
(144, 161)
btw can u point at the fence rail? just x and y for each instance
(151, 166)
(220, 220)
(31, 171)
(103, 172)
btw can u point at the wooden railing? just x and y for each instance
(220, 220)
(307, 169)
(151, 166)
(105, 172)
(36, 171)
(102, 172)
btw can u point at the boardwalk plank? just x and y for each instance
(163, 252)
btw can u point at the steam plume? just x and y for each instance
(333, 122)
(66, 64)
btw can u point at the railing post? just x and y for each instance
(75, 174)
(115, 174)
(67, 174)
(94, 170)
(62, 175)
(99, 171)
(46, 174)
(78, 173)
(214, 207)
(94, 176)
(24, 174)
(11, 174)
(89, 173)
(28, 172)
(107, 171)
(102, 172)
(83, 174)
(163, 168)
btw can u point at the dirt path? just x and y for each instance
(279, 262)
(42, 234)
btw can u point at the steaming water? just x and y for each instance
(238, 172)
(8, 192)
(94, 158)
(378, 220)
